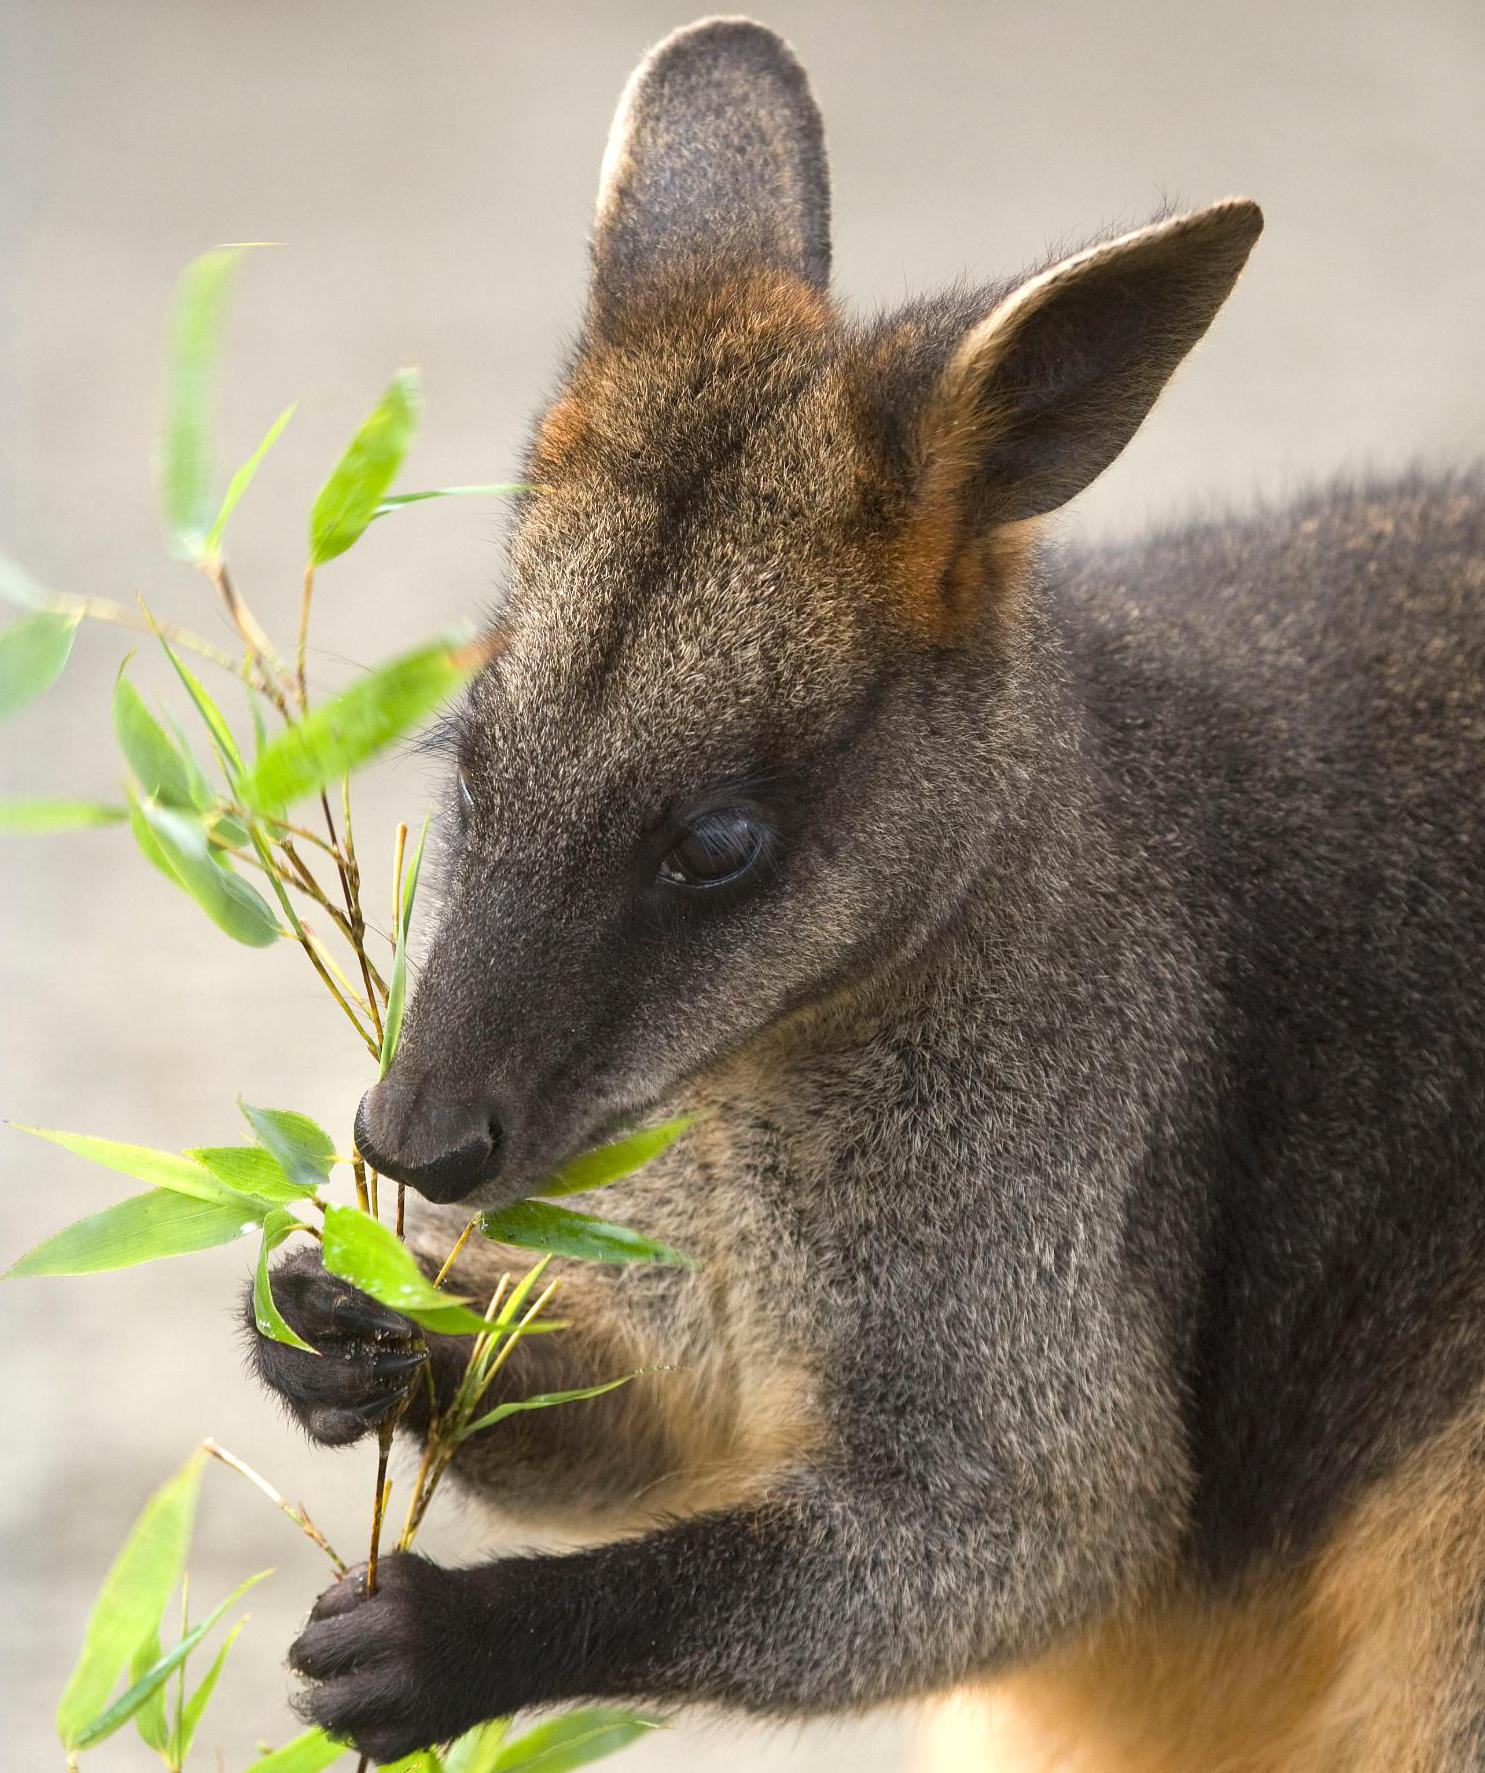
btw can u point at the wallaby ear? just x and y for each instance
(1046, 390)
(716, 151)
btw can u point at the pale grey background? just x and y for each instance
(428, 169)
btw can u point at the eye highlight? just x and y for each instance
(466, 798)
(718, 847)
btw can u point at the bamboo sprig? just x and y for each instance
(104, 609)
(296, 1511)
(260, 648)
(489, 1355)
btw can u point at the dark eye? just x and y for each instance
(718, 847)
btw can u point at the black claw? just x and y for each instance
(399, 1363)
(364, 1316)
(372, 1409)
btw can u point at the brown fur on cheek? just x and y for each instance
(563, 432)
(949, 579)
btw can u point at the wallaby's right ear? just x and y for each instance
(717, 154)
(1047, 389)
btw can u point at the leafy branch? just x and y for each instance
(215, 821)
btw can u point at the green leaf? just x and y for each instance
(158, 764)
(544, 1400)
(177, 842)
(164, 1169)
(348, 500)
(211, 714)
(155, 1677)
(276, 1227)
(196, 1705)
(302, 1147)
(574, 1739)
(203, 796)
(309, 1753)
(397, 989)
(184, 465)
(33, 652)
(537, 1225)
(224, 828)
(36, 817)
(398, 500)
(150, 1719)
(141, 1229)
(596, 1168)
(250, 1170)
(132, 1599)
(260, 732)
(477, 1750)
(524, 1287)
(421, 1760)
(243, 478)
(149, 846)
(340, 735)
(366, 1253)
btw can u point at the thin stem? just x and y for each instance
(471, 1390)
(104, 609)
(464, 1237)
(538, 1305)
(354, 926)
(410, 1525)
(363, 1198)
(294, 1510)
(297, 830)
(307, 883)
(256, 641)
(399, 847)
(353, 876)
(329, 959)
(305, 597)
(443, 1427)
(379, 1506)
(372, 1046)
(303, 881)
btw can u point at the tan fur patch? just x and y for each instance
(562, 432)
(950, 578)
(1364, 1663)
(723, 1461)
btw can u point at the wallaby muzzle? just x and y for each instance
(442, 1148)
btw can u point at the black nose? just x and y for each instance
(441, 1148)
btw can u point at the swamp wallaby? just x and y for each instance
(1077, 961)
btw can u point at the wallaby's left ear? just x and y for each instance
(716, 155)
(1042, 395)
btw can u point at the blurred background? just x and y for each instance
(428, 171)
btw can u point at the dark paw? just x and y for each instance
(369, 1355)
(398, 1671)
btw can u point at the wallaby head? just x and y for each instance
(756, 705)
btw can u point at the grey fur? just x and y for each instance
(1088, 1198)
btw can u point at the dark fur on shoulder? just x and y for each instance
(1076, 959)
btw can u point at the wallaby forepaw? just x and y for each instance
(368, 1354)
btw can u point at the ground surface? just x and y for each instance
(429, 170)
